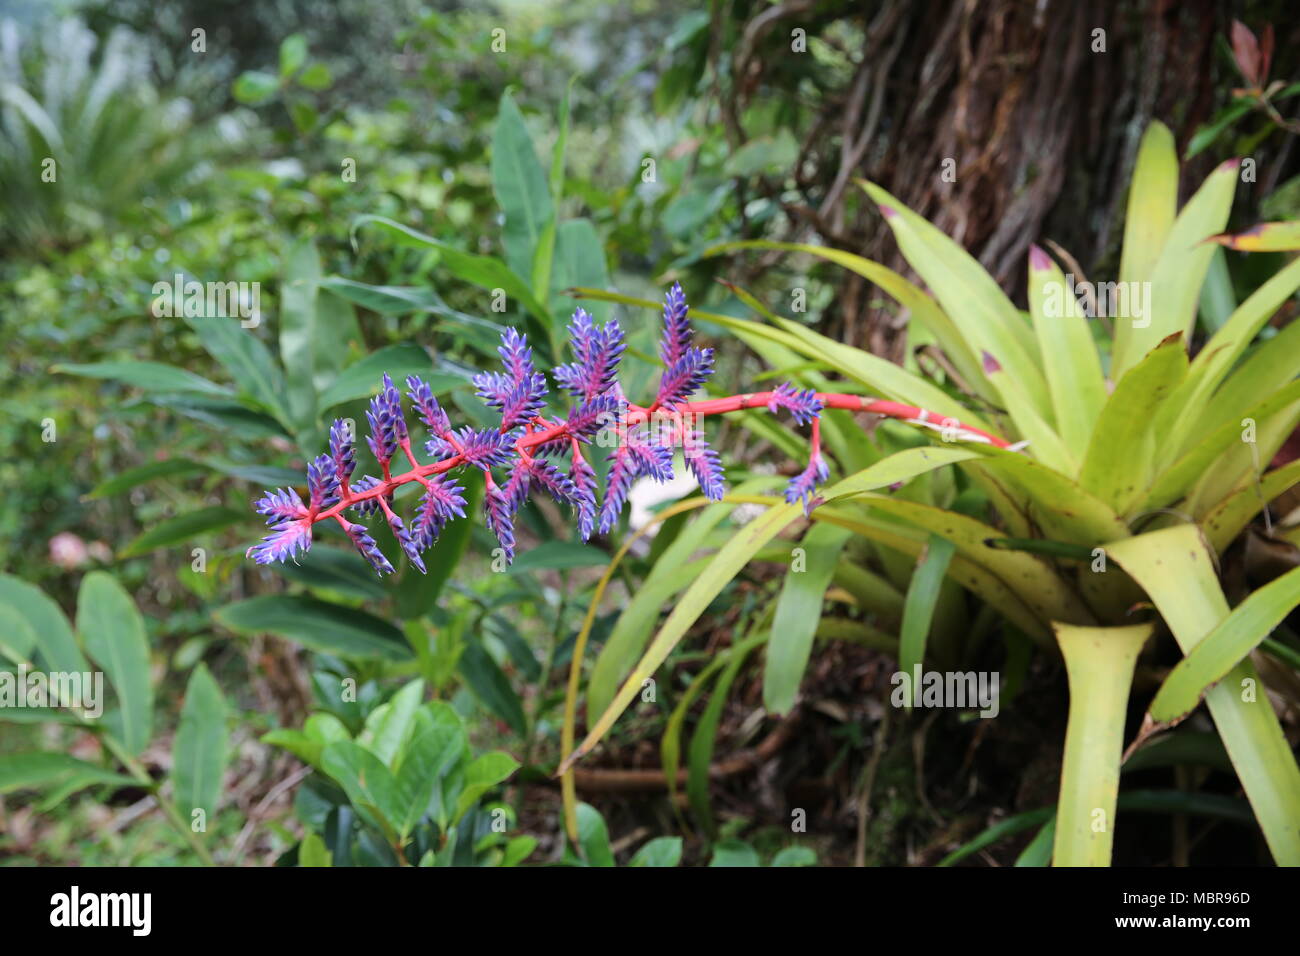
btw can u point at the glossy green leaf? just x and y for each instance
(45, 771)
(520, 187)
(1232, 639)
(134, 477)
(918, 609)
(1174, 567)
(183, 529)
(330, 628)
(1099, 662)
(200, 748)
(149, 376)
(113, 634)
(55, 643)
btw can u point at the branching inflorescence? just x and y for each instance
(518, 457)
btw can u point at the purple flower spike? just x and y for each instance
(598, 351)
(431, 413)
(280, 505)
(803, 485)
(485, 448)
(584, 488)
(286, 540)
(370, 505)
(387, 425)
(650, 458)
(705, 465)
(677, 330)
(497, 510)
(442, 500)
(803, 405)
(342, 451)
(322, 483)
(685, 376)
(617, 484)
(365, 544)
(406, 540)
(516, 356)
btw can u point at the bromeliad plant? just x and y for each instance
(521, 449)
(1140, 466)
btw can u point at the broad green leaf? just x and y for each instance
(700, 752)
(390, 724)
(593, 837)
(918, 609)
(1220, 354)
(1218, 440)
(544, 255)
(248, 361)
(134, 477)
(726, 564)
(438, 742)
(367, 782)
(1099, 662)
(150, 376)
(1032, 579)
(661, 851)
(794, 856)
(1226, 520)
(333, 569)
(1152, 206)
(45, 771)
(1062, 509)
(329, 628)
(579, 261)
(734, 853)
(113, 634)
(293, 54)
(183, 529)
(1174, 566)
(365, 377)
(485, 272)
(1070, 359)
(484, 773)
(969, 574)
(1263, 237)
(318, 732)
(299, 333)
(254, 87)
(418, 593)
(200, 748)
(491, 686)
(798, 610)
(16, 638)
(55, 642)
(1178, 274)
(1232, 640)
(520, 187)
(987, 319)
(1121, 457)
(313, 852)
(558, 555)
(1269, 368)
(919, 304)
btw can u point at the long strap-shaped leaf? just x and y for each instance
(1099, 662)
(1231, 640)
(1174, 566)
(733, 556)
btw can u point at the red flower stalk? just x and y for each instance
(526, 441)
